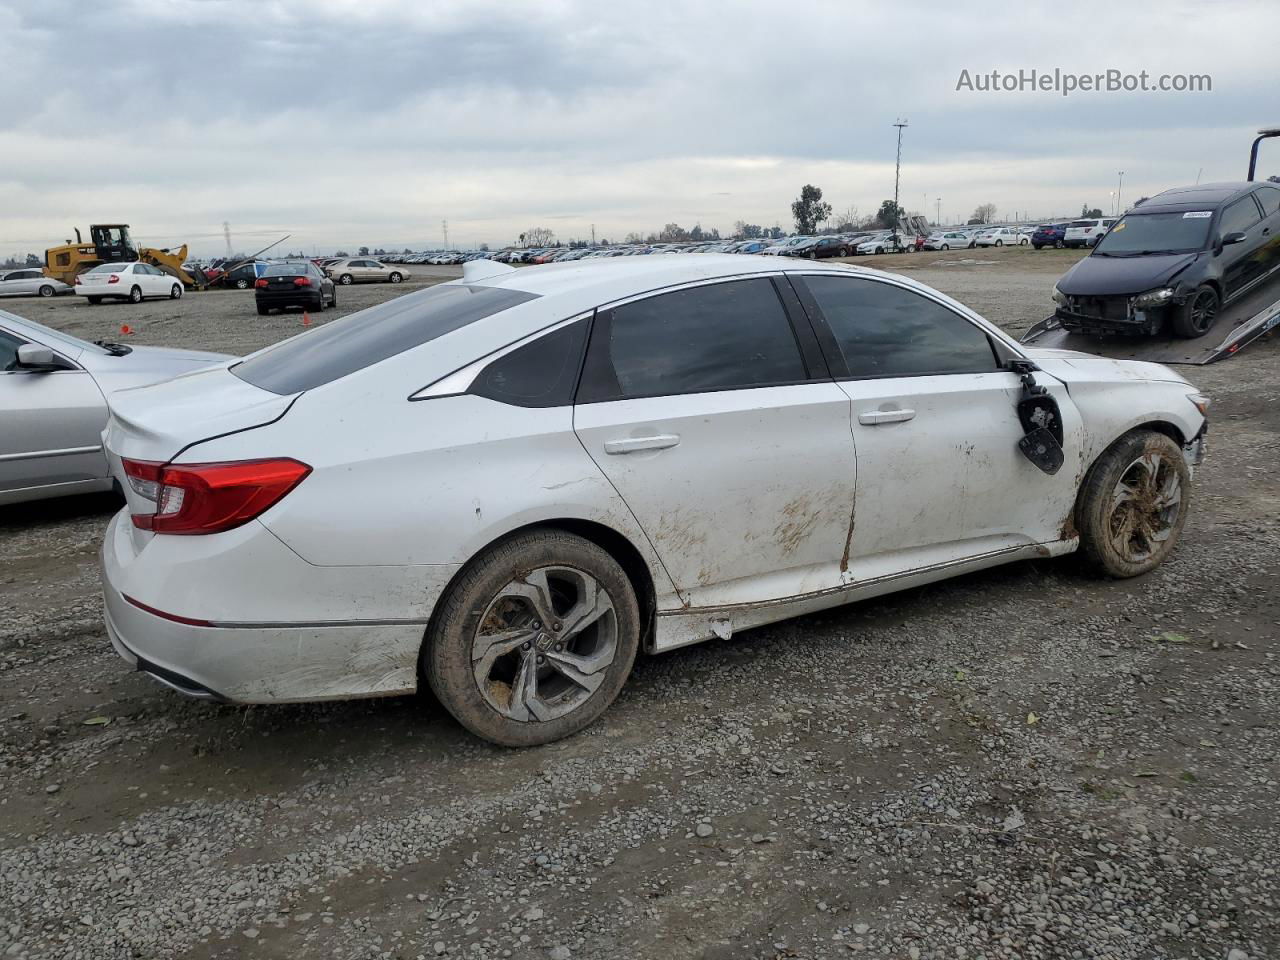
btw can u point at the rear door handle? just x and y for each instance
(636, 444)
(872, 417)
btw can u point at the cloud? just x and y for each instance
(370, 122)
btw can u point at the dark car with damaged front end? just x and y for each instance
(1170, 265)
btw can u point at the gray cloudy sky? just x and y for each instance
(369, 122)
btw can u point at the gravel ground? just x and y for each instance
(1023, 763)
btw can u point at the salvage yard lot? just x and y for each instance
(1025, 762)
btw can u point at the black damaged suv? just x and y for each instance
(1172, 263)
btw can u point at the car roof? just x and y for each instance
(1196, 197)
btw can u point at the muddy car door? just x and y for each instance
(1242, 264)
(936, 431)
(728, 442)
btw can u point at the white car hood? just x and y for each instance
(1069, 365)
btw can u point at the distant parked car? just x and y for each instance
(948, 240)
(1086, 233)
(886, 243)
(364, 270)
(127, 281)
(1049, 235)
(820, 248)
(294, 284)
(54, 390)
(30, 283)
(1000, 237)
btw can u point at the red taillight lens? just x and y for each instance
(260, 282)
(200, 498)
(302, 281)
(114, 278)
(79, 279)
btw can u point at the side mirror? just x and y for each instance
(1236, 237)
(38, 359)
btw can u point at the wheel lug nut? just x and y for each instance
(541, 659)
(555, 626)
(559, 647)
(536, 625)
(526, 645)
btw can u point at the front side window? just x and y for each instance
(721, 336)
(358, 340)
(1239, 216)
(887, 331)
(9, 345)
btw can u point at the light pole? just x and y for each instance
(937, 217)
(897, 177)
(1119, 186)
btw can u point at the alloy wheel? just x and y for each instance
(1204, 310)
(544, 644)
(1145, 506)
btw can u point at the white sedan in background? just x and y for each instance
(30, 282)
(127, 281)
(1001, 237)
(507, 486)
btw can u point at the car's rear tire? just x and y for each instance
(999, 243)
(1195, 317)
(1059, 245)
(135, 295)
(263, 310)
(345, 279)
(175, 292)
(45, 290)
(333, 300)
(946, 246)
(318, 306)
(1133, 505)
(395, 277)
(94, 301)
(502, 670)
(242, 284)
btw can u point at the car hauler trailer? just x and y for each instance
(1238, 323)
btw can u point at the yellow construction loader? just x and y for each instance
(111, 243)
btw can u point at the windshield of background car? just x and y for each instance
(361, 339)
(285, 270)
(109, 268)
(1140, 233)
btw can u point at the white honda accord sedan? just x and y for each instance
(506, 486)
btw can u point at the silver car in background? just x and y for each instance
(53, 404)
(30, 282)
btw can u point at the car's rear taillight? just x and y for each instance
(260, 282)
(302, 281)
(114, 278)
(200, 498)
(79, 279)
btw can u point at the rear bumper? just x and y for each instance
(269, 627)
(290, 298)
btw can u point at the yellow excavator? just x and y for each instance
(111, 243)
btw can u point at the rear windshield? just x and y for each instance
(1151, 233)
(285, 270)
(109, 268)
(1084, 223)
(361, 339)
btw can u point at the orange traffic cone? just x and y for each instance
(125, 328)
(306, 318)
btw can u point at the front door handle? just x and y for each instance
(636, 444)
(872, 417)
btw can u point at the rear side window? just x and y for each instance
(717, 337)
(361, 339)
(887, 331)
(543, 373)
(1269, 197)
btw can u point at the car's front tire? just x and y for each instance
(534, 639)
(1133, 504)
(1195, 317)
(395, 277)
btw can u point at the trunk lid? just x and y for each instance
(157, 421)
